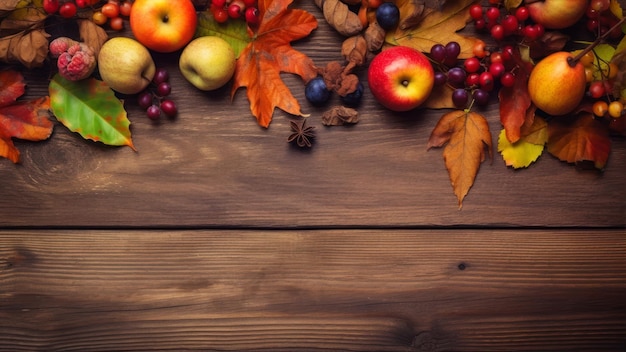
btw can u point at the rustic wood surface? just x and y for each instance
(217, 235)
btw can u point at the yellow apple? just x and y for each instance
(163, 25)
(125, 65)
(207, 62)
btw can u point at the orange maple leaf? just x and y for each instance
(466, 135)
(268, 54)
(580, 139)
(22, 119)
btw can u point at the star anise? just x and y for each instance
(302, 135)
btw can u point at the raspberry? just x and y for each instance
(75, 60)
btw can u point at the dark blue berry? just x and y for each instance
(387, 15)
(354, 98)
(316, 91)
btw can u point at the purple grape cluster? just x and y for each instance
(154, 99)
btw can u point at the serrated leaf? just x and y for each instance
(466, 136)
(90, 108)
(438, 27)
(528, 148)
(579, 139)
(234, 32)
(270, 52)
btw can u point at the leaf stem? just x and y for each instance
(574, 60)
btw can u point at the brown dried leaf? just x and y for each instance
(339, 16)
(549, 43)
(29, 48)
(466, 135)
(340, 115)
(92, 35)
(354, 50)
(347, 85)
(438, 27)
(410, 12)
(7, 6)
(332, 73)
(374, 36)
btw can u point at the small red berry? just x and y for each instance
(51, 6)
(252, 15)
(68, 10)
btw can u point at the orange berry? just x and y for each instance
(116, 24)
(616, 109)
(600, 108)
(99, 18)
(111, 10)
(125, 8)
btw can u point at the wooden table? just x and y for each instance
(216, 235)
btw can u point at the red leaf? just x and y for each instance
(11, 86)
(25, 120)
(260, 64)
(579, 139)
(515, 101)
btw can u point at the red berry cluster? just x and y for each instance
(600, 19)
(502, 24)
(246, 10)
(66, 9)
(113, 12)
(154, 99)
(476, 77)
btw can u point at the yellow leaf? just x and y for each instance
(438, 27)
(616, 9)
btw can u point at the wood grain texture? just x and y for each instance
(215, 167)
(341, 290)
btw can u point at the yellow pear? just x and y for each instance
(557, 83)
(125, 65)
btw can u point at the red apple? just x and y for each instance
(400, 78)
(557, 14)
(163, 25)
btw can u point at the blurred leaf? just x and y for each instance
(578, 139)
(440, 98)
(92, 34)
(90, 108)
(438, 27)
(22, 119)
(410, 12)
(234, 32)
(29, 48)
(616, 9)
(465, 135)
(12, 86)
(528, 148)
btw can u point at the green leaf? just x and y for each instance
(90, 108)
(604, 53)
(234, 32)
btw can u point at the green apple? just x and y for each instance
(125, 65)
(207, 62)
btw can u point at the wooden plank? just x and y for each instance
(214, 167)
(298, 290)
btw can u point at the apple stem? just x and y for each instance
(574, 60)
